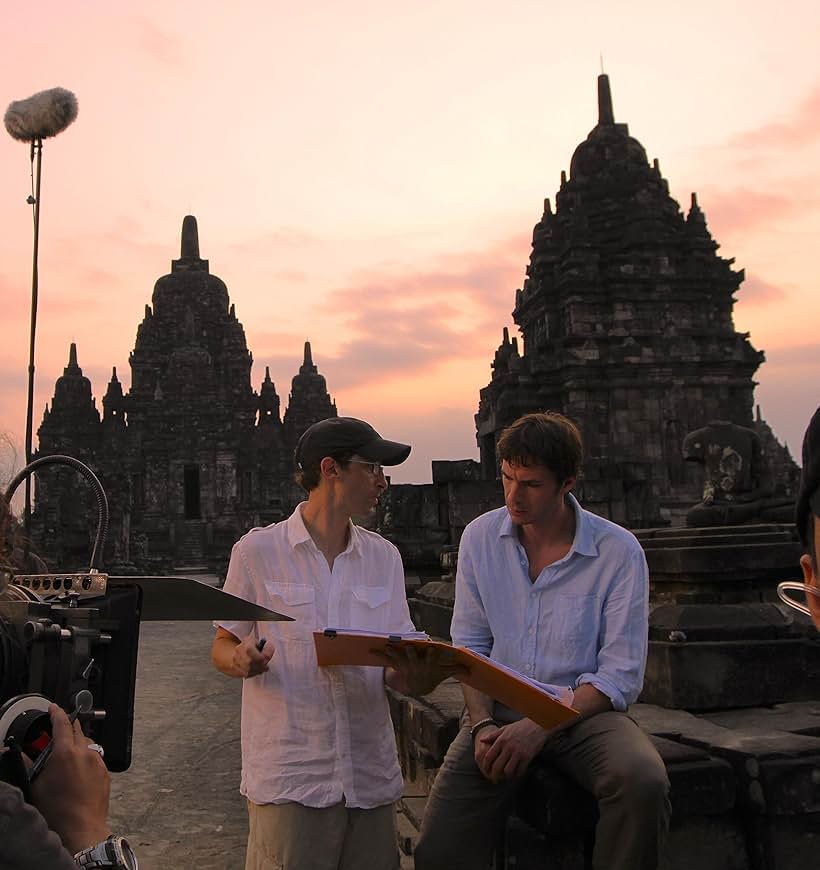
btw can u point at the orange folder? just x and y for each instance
(344, 647)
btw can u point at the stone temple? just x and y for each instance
(191, 456)
(626, 320)
(625, 316)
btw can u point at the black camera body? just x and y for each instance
(64, 635)
(74, 642)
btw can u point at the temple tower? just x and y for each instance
(626, 318)
(190, 456)
(309, 399)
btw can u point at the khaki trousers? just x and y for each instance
(607, 754)
(295, 837)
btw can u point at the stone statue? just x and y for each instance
(736, 486)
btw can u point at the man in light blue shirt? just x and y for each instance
(560, 595)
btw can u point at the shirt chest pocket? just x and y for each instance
(370, 607)
(571, 624)
(297, 601)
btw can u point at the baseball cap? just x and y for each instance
(347, 433)
(808, 499)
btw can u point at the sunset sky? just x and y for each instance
(366, 175)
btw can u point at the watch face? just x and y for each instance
(127, 856)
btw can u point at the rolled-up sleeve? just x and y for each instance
(239, 581)
(624, 634)
(470, 627)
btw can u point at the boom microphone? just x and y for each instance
(42, 115)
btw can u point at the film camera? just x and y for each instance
(72, 638)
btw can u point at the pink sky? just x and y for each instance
(366, 175)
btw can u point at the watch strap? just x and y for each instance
(112, 852)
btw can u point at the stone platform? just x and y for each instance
(745, 787)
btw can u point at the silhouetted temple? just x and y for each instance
(191, 456)
(626, 318)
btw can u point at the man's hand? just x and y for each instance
(240, 658)
(416, 672)
(505, 753)
(72, 790)
(248, 660)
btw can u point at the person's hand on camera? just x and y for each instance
(73, 789)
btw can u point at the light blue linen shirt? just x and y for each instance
(583, 620)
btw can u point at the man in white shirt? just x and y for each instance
(319, 762)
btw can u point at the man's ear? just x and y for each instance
(812, 581)
(328, 467)
(568, 484)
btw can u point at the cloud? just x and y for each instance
(284, 237)
(408, 322)
(399, 321)
(742, 209)
(158, 45)
(801, 127)
(794, 357)
(757, 291)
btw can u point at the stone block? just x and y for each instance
(722, 622)
(699, 784)
(528, 849)
(433, 618)
(785, 842)
(761, 562)
(797, 717)
(705, 843)
(714, 675)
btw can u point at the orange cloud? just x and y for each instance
(801, 128)
(757, 291)
(741, 209)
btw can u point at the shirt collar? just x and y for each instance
(298, 533)
(584, 540)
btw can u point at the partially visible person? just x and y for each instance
(319, 763)
(560, 595)
(808, 514)
(65, 824)
(69, 806)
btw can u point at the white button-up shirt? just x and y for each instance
(583, 620)
(314, 735)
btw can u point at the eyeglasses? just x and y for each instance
(374, 469)
(791, 586)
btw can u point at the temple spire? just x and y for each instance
(605, 112)
(189, 259)
(73, 365)
(308, 354)
(189, 249)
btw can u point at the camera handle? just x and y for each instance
(99, 492)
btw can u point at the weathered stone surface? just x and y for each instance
(741, 797)
(710, 675)
(191, 456)
(626, 318)
(737, 484)
(797, 717)
(705, 842)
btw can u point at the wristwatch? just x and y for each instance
(113, 852)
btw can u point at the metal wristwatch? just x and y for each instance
(113, 852)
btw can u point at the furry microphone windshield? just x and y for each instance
(45, 114)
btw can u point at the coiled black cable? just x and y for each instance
(99, 492)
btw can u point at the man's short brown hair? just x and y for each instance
(309, 474)
(549, 439)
